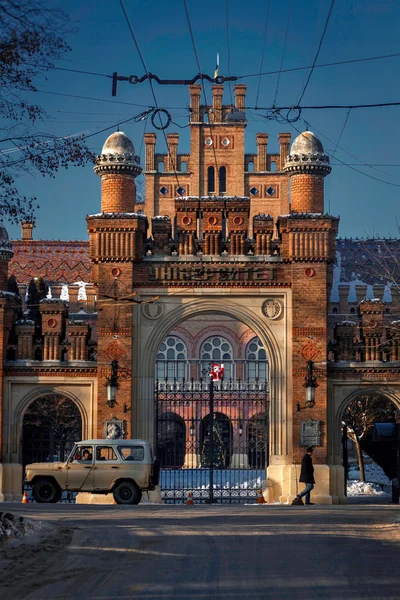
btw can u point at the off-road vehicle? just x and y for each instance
(124, 468)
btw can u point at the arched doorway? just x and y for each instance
(51, 425)
(216, 441)
(171, 440)
(370, 434)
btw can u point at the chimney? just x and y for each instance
(262, 145)
(172, 141)
(240, 96)
(27, 229)
(217, 94)
(195, 103)
(150, 145)
(284, 142)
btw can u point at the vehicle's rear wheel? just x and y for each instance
(127, 492)
(46, 490)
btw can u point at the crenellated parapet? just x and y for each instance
(308, 237)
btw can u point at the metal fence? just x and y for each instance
(211, 439)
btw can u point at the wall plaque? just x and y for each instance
(310, 433)
(114, 429)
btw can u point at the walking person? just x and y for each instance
(307, 477)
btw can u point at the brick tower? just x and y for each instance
(308, 236)
(116, 243)
(307, 165)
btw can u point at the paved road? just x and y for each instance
(201, 552)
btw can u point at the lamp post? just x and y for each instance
(310, 384)
(112, 384)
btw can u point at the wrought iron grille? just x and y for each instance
(211, 439)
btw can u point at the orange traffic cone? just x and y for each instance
(189, 498)
(260, 498)
(25, 499)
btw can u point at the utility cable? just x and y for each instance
(322, 66)
(216, 179)
(283, 52)
(172, 162)
(318, 51)
(346, 164)
(263, 49)
(341, 133)
(229, 47)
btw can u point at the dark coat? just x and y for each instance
(307, 470)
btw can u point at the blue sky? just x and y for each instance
(103, 44)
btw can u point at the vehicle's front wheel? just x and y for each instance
(46, 490)
(127, 492)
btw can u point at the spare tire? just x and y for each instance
(127, 492)
(46, 490)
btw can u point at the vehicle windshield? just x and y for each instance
(72, 453)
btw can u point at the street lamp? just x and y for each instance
(310, 384)
(112, 384)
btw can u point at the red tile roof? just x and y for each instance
(55, 261)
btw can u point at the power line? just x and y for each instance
(332, 64)
(202, 82)
(263, 49)
(229, 46)
(172, 162)
(347, 164)
(318, 50)
(283, 52)
(53, 68)
(359, 159)
(341, 133)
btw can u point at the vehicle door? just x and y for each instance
(80, 469)
(106, 467)
(133, 464)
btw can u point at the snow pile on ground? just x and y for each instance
(12, 526)
(376, 484)
(364, 488)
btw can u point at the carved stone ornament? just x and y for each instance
(310, 351)
(272, 309)
(310, 433)
(115, 351)
(114, 430)
(153, 310)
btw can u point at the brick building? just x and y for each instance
(230, 259)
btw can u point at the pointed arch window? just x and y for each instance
(222, 180)
(256, 360)
(211, 180)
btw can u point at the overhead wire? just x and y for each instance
(342, 131)
(229, 47)
(216, 179)
(263, 49)
(344, 163)
(318, 51)
(283, 52)
(363, 163)
(171, 160)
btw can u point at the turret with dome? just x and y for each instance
(307, 165)
(118, 165)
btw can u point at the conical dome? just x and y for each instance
(118, 156)
(307, 154)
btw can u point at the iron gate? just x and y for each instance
(211, 439)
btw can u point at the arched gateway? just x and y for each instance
(228, 248)
(247, 255)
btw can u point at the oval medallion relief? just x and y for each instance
(153, 310)
(272, 308)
